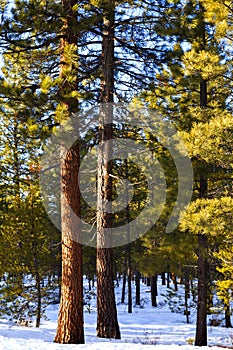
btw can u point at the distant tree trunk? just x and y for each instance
(168, 280)
(124, 280)
(202, 274)
(34, 249)
(174, 280)
(16, 163)
(89, 283)
(186, 296)
(228, 316)
(148, 281)
(129, 283)
(70, 328)
(128, 246)
(137, 284)
(193, 290)
(123, 288)
(201, 324)
(107, 323)
(163, 276)
(153, 283)
(210, 302)
(115, 274)
(201, 327)
(38, 294)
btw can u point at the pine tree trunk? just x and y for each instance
(107, 323)
(128, 247)
(16, 163)
(137, 283)
(117, 276)
(89, 283)
(174, 280)
(124, 280)
(193, 291)
(163, 276)
(129, 282)
(186, 296)
(153, 283)
(70, 328)
(34, 248)
(168, 280)
(228, 316)
(70, 321)
(38, 294)
(201, 327)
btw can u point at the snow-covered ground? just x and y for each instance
(144, 328)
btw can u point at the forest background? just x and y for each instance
(61, 58)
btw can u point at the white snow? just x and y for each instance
(144, 328)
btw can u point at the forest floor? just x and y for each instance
(145, 327)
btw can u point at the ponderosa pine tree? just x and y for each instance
(107, 323)
(116, 61)
(70, 321)
(38, 45)
(201, 332)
